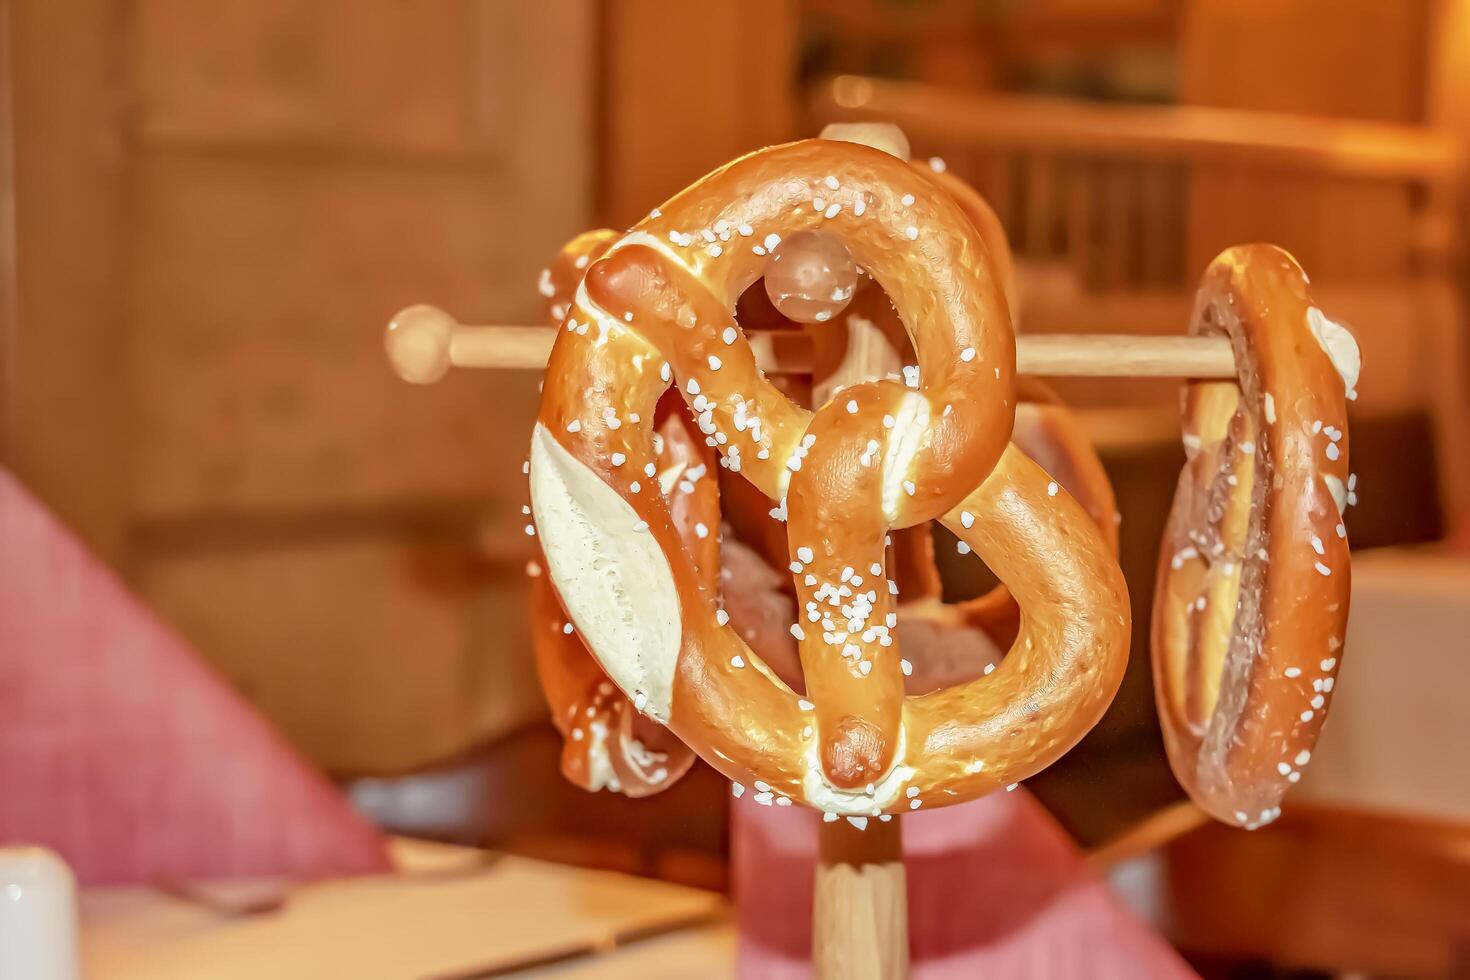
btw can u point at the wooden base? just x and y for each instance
(860, 911)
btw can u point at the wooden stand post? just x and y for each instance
(860, 910)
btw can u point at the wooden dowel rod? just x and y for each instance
(511, 347)
(1150, 834)
(1124, 356)
(860, 905)
(423, 343)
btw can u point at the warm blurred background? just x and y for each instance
(211, 209)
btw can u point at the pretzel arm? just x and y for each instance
(1068, 660)
(1049, 434)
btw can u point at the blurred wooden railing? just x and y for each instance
(1113, 212)
(1128, 197)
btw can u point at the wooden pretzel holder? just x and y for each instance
(860, 922)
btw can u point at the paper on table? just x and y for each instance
(516, 910)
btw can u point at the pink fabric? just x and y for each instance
(120, 750)
(995, 889)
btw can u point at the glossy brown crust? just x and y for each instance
(1252, 596)
(987, 223)
(1068, 659)
(657, 307)
(1044, 429)
(940, 640)
(1048, 433)
(559, 281)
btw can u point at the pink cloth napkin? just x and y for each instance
(120, 750)
(995, 889)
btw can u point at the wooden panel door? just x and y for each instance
(1356, 59)
(345, 546)
(218, 207)
(63, 206)
(664, 127)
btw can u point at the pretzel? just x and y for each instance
(655, 310)
(932, 632)
(870, 302)
(1044, 429)
(987, 223)
(1252, 595)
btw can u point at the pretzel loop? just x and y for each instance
(656, 309)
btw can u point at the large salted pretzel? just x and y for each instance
(605, 743)
(1252, 595)
(654, 311)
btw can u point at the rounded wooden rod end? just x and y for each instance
(418, 341)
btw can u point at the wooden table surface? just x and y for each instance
(447, 914)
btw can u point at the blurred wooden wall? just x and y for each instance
(64, 171)
(1354, 59)
(218, 206)
(1342, 59)
(1108, 46)
(686, 87)
(346, 547)
(213, 210)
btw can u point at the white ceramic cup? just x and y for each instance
(38, 916)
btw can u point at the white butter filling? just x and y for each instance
(615, 581)
(880, 136)
(904, 442)
(1340, 346)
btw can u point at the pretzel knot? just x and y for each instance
(656, 310)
